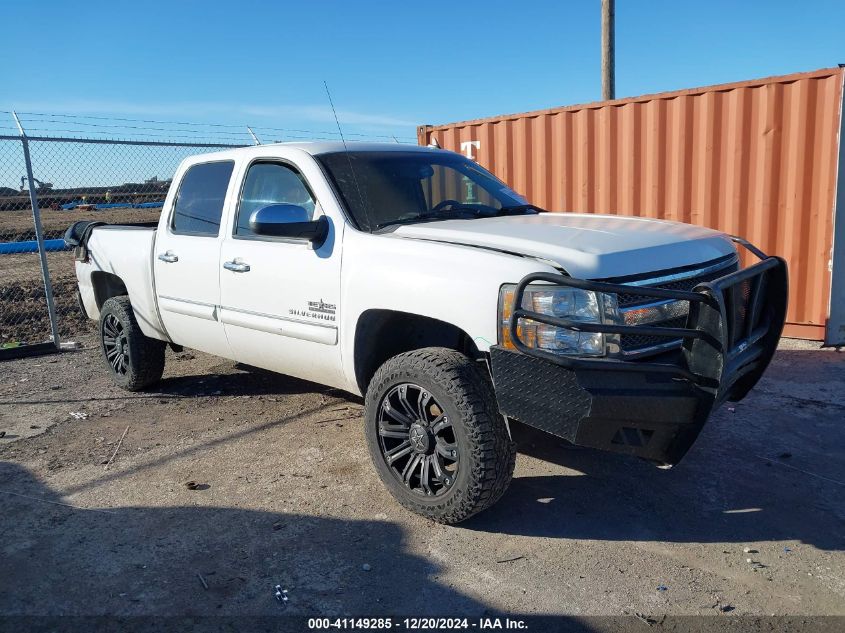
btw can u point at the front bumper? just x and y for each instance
(656, 409)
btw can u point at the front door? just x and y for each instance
(187, 259)
(279, 296)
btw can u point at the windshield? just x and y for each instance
(395, 187)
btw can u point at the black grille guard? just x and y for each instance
(731, 334)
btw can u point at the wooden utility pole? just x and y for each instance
(608, 56)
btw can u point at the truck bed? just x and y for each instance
(110, 254)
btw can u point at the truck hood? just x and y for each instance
(584, 245)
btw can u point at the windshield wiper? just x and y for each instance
(518, 209)
(465, 212)
(427, 217)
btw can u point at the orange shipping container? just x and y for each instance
(759, 159)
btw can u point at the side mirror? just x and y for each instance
(289, 220)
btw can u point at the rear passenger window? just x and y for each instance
(199, 203)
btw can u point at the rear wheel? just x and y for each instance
(134, 360)
(435, 434)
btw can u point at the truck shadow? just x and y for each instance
(733, 487)
(713, 496)
(770, 468)
(226, 379)
(237, 379)
(203, 560)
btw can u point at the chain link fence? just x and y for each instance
(23, 306)
(114, 181)
(86, 167)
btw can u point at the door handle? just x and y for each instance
(168, 257)
(236, 266)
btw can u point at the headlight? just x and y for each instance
(570, 303)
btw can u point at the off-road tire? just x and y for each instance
(464, 391)
(145, 355)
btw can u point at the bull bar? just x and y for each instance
(652, 409)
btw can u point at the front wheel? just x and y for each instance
(134, 360)
(435, 435)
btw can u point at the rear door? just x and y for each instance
(279, 296)
(187, 259)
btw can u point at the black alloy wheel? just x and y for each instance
(135, 361)
(435, 435)
(115, 345)
(417, 440)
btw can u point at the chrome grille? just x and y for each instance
(686, 284)
(640, 343)
(640, 310)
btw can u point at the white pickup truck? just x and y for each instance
(415, 278)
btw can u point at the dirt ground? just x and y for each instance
(17, 226)
(285, 495)
(23, 308)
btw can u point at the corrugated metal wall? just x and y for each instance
(756, 159)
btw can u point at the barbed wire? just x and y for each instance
(336, 134)
(122, 123)
(244, 134)
(133, 127)
(111, 135)
(113, 118)
(47, 133)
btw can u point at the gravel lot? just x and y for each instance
(286, 496)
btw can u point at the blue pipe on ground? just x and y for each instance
(31, 246)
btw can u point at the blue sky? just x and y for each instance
(390, 65)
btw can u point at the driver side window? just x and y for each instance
(271, 183)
